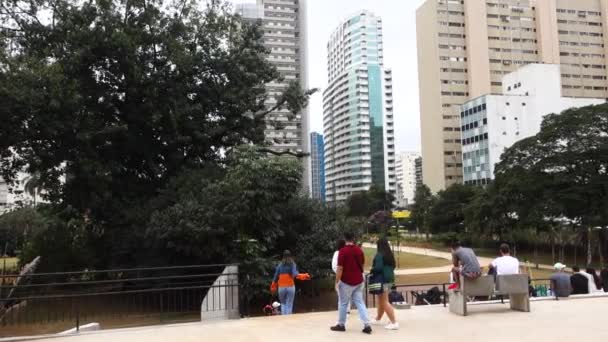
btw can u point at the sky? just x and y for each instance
(399, 30)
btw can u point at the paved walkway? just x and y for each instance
(564, 320)
(483, 261)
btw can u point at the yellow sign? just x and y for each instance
(401, 214)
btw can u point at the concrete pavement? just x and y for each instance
(564, 320)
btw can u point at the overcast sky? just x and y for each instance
(399, 28)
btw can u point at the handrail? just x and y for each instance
(121, 270)
(99, 282)
(116, 292)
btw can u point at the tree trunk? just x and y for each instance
(575, 252)
(600, 250)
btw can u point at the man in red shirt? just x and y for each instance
(350, 282)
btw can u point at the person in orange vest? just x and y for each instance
(284, 282)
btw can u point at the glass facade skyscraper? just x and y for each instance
(358, 111)
(317, 166)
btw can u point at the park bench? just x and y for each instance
(515, 286)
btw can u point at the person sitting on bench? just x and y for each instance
(465, 264)
(505, 264)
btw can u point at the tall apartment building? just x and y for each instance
(419, 180)
(358, 110)
(317, 167)
(493, 123)
(406, 177)
(465, 47)
(284, 24)
(4, 197)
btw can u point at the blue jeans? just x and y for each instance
(286, 296)
(354, 294)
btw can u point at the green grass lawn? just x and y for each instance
(407, 260)
(12, 264)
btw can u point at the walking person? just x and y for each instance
(334, 262)
(349, 284)
(284, 280)
(383, 270)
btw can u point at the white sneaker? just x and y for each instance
(375, 322)
(392, 326)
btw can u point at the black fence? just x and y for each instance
(436, 294)
(54, 302)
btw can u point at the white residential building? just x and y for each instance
(358, 111)
(406, 177)
(492, 123)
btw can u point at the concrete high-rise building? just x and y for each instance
(419, 180)
(493, 123)
(284, 24)
(466, 47)
(317, 167)
(406, 177)
(358, 110)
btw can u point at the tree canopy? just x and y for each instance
(107, 100)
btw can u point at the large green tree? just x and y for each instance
(367, 203)
(562, 171)
(448, 212)
(423, 203)
(106, 101)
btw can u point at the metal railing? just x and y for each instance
(53, 302)
(418, 294)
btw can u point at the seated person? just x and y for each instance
(579, 282)
(560, 281)
(505, 264)
(465, 264)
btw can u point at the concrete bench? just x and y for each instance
(515, 286)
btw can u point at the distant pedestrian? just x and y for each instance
(284, 281)
(560, 281)
(604, 276)
(596, 284)
(349, 283)
(465, 264)
(505, 264)
(383, 270)
(334, 261)
(579, 282)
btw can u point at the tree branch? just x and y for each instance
(284, 153)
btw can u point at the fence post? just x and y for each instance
(444, 295)
(77, 318)
(160, 315)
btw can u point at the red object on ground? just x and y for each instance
(453, 286)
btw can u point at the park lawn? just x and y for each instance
(9, 264)
(406, 260)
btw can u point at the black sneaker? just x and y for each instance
(338, 327)
(367, 330)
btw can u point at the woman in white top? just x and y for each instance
(334, 260)
(595, 283)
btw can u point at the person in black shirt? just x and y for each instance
(604, 276)
(580, 283)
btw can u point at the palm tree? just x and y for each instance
(33, 186)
